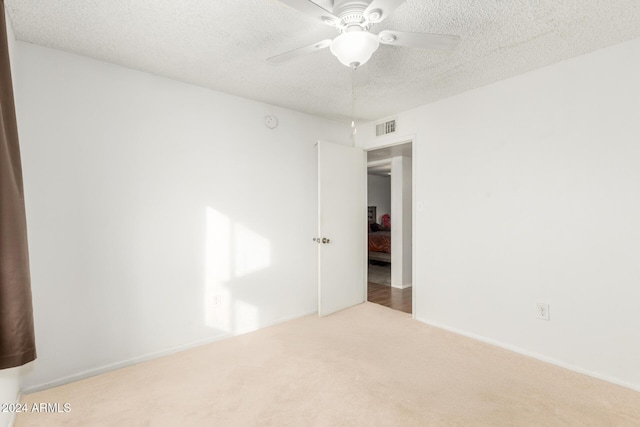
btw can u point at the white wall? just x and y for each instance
(11, 39)
(160, 214)
(530, 192)
(401, 222)
(379, 195)
(9, 392)
(9, 378)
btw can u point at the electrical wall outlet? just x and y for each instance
(542, 310)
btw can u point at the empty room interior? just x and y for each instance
(190, 191)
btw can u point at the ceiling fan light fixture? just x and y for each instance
(330, 21)
(374, 16)
(354, 48)
(387, 38)
(322, 44)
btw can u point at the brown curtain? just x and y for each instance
(17, 342)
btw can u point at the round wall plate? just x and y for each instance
(271, 121)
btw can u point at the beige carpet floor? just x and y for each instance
(366, 366)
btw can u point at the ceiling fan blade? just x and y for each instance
(379, 10)
(310, 8)
(419, 40)
(283, 57)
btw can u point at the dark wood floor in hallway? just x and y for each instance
(397, 299)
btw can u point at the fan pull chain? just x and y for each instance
(354, 130)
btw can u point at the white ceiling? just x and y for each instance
(223, 44)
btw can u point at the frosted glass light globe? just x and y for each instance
(354, 48)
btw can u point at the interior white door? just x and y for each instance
(342, 227)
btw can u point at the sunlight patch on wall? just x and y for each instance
(218, 243)
(252, 251)
(232, 251)
(247, 317)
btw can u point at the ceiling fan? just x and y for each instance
(353, 19)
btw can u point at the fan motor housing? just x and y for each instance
(351, 8)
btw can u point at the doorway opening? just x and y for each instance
(390, 223)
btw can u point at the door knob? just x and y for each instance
(325, 240)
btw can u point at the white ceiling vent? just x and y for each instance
(385, 128)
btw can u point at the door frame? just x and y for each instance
(403, 139)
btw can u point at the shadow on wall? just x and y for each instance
(232, 251)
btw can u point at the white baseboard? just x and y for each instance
(154, 355)
(533, 355)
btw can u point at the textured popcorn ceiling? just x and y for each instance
(223, 44)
